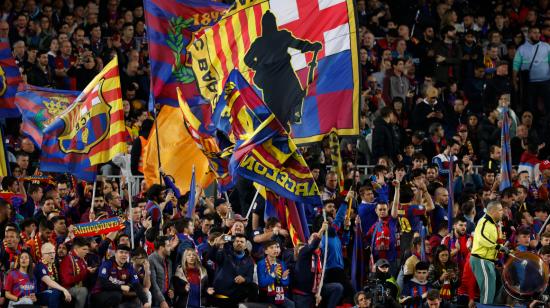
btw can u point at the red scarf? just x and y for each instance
(317, 269)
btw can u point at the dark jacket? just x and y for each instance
(383, 142)
(453, 58)
(229, 267)
(421, 112)
(158, 276)
(302, 274)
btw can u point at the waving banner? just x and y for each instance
(300, 55)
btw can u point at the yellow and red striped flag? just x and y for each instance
(91, 131)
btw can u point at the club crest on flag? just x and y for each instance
(55, 105)
(86, 123)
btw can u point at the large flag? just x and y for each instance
(170, 24)
(178, 152)
(264, 152)
(202, 130)
(301, 55)
(506, 152)
(40, 107)
(91, 131)
(10, 78)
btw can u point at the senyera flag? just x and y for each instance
(10, 78)
(300, 55)
(263, 152)
(170, 24)
(40, 107)
(92, 131)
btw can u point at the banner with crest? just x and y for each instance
(40, 107)
(92, 131)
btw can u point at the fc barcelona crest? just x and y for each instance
(86, 123)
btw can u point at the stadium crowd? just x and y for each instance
(437, 76)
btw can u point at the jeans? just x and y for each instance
(51, 298)
(79, 295)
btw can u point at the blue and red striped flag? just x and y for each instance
(170, 24)
(263, 152)
(40, 107)
(10, 78)
(506, 152)
(358, 260)
(91, 131)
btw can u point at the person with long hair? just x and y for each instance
(443, 273)
(190, 282)
(20, 285)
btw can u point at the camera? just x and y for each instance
(227, 238)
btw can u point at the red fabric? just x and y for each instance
(68, 275)
(468, 285)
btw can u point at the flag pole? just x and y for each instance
(93, 197)
(158, 142)
(252, 204)
(131, 214)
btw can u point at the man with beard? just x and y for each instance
(457, 242)
(447, 56)
(384, 278)
(532, 59)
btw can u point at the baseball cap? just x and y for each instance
(382, 263)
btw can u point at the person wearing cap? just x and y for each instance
(383, 275)
(117, 277)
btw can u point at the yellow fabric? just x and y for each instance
(178, 153)
(486, 236)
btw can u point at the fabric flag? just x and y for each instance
(203, 133)
(357, 260)
(335, 156)
(192, 195)
(288, 213)
(91, 131)
(301, 55)
(178, 152)
(170, 24)
(450, 203)
(4, 168)
(506, 152)
(10, 78)
(40, 107)
(264, 152)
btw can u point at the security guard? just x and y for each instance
(485, 250)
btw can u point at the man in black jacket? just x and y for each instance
(234, 280)
(383, 142)
(306, 275)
